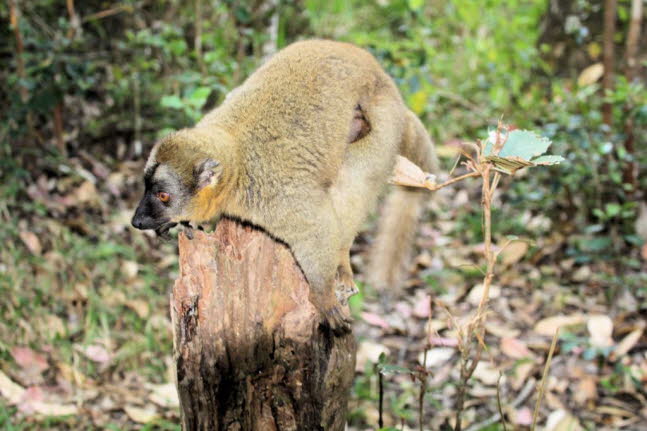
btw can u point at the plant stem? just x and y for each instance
(380, 420)
(544, 377)
(486, 203)
(453, 180)
(423, 389)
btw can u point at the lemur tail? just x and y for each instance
(390, 254)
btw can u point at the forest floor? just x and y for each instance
(85, 338)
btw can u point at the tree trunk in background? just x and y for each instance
(249, 351)
(567, 55)
(573, 32)
(608, 51)
(630, 171)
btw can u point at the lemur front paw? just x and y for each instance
(346, 286)
(188, 229)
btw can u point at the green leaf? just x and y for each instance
(416, 4)
(199, 96)
(520, 143)
(548, 160)
(521, 149)
(172, 102)
(177, 47)
(612, 210)
(418, 101)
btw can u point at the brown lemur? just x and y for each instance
(301, 149)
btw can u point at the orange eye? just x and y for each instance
(163, 196)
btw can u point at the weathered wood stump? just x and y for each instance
(249, 350)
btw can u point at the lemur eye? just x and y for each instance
(163, 196)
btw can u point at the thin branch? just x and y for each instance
(499, 405)
(495, 182)
(544, 377)
(108, 12)
(380, 420)
(423, 389)
(528, 389)
(435, 187)
(14, 19)
(486, 196)
(58, 127)
(74, 19)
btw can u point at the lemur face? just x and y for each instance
(164, 200)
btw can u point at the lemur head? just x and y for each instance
(179, 179)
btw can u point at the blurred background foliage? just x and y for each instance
(88, 86)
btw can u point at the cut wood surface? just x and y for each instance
(248, 345)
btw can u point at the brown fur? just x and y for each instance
(296, 158)
(391, 250)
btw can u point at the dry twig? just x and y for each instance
(544, 377)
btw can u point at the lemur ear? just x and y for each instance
(207, 173)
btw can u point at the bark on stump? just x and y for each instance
(249, 350)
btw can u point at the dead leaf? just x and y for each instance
(614, 411)
(422, 308)
(71, 374)
(498, 330)
(95, 353)
(515, 348)
(129, 268)
(368, 352)
(141, 415)
(407, 173)
(50, 409)
(590, 74)
(443, 341)
(29, 360)
(486, 373)
(31, 241)
(600, 330)
(581, 274)
(141, 307)
(50, 325)
(523, 417)
(513, 252)
(475, 295)
(549, 325)
(424, 259)
(12, 391)
(436, 357)
(375, 320)
(627, 343)
(520, 374)
(561, 420)
(34, 401)
(164, 395)
(586, 390)
(403, 309)
(86, 193)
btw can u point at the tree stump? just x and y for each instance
(249, 349)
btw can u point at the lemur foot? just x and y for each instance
(338, 320)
